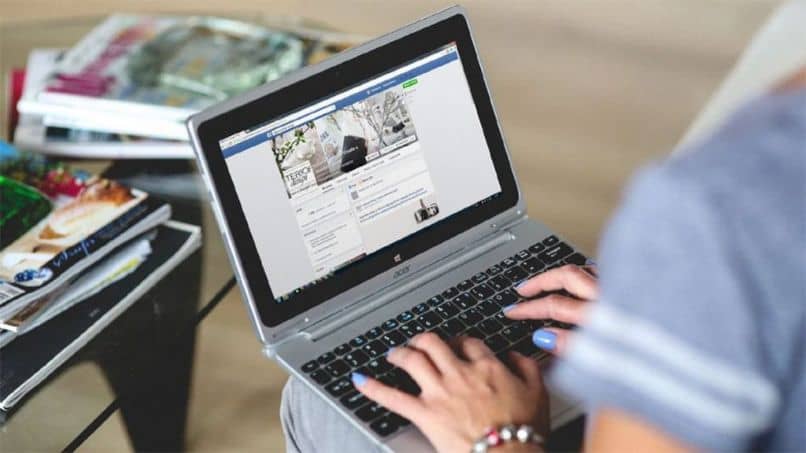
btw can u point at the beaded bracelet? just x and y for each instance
(494, 437)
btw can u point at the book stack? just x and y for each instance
(126, 88)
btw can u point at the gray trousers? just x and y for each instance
(311, 425)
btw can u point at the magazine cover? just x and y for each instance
(56, 223)
(144, 75)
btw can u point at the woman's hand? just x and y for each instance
(581, 285)
(464, 392)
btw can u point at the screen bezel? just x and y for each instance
(326, 83)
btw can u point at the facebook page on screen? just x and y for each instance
(326, 186)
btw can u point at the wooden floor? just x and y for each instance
(586, 90)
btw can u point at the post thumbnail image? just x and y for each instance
(338, 143)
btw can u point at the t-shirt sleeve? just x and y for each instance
(672, 340)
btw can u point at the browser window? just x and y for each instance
(326, 186)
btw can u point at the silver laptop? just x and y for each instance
(370, 198)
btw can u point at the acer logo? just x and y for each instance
(401, 271)
(398, 258)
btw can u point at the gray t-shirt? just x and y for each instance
(701, 325)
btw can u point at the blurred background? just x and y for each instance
(586, 92)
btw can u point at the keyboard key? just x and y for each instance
(353, 400)
(499, 283)
(494, 270)
(442, 333)
(475, 333)
(320, 377)
(340, 387)
(310, 366)
(390, 324)
(516, 274)
(507, 263)
(370, 411)
(482, 291)
(394, 339)
(490, 326)
(374, 332)
(384, 426)
(430, 320)
(356, 358)
(326, 358)
(450, 293)
(436, 300)
(453, 326)
(525, 347)
(337, 368)
(378, 366)
(551, 240)
(514, 333)
(480, 277)
(502, 318)
(399, 420)
(496, 343)
(488, 308)
(465, 285)
(464, 301)
(342, 349)
(358, 341)
(375, 348)
(537, 248)
(411, 329)
(555, 253)
(405, 317)
(577, 258)
(420, 308)
(408, 385)
(533, 265)
(471, 317)
(447, 310)
(505, 298)
(523, 255)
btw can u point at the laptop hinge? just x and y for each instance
(381, 297)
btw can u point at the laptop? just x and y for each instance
(370, 198)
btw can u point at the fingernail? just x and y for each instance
(544, 339)
(508, 307)
(521, 284)
(389, 352)
(358, 379)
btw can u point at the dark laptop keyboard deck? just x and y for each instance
(471, 308)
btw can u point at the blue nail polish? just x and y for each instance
(544, 339)
(508, 307)
(358, 379)
(520, 285)
(389, 352)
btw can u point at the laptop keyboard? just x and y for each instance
(471, 308)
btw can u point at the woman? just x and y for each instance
(696, 340)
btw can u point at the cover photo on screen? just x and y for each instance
(323, 149)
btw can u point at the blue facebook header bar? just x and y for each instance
(342, 103)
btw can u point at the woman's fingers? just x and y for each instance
(472, 348)
(552, 339)
(554, 306)
(416, 363)
(569, 277)
(393, 399)
(440, 354)
(527, 368)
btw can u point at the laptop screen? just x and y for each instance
(330, 184)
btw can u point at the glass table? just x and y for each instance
(141, 364)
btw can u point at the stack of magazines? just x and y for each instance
(65, 236)
(125, 89)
